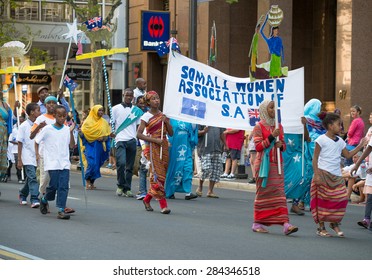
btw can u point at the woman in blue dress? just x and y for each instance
(296, 186)
(180, 167)
(96, 144)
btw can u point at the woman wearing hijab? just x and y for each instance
(5, 129)
(297, 187)
(96, 145)
(270, 205)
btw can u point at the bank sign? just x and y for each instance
(155, 28)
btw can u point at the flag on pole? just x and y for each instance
(163, 47)
(213, 45)
(69, 83)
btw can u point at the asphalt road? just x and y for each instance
(109, 227)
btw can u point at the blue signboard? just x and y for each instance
(155, 28)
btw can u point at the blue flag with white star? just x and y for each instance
(193, 108)
(296, 186)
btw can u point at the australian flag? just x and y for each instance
(163, 47)
(94, 23)
(254, 116)
(69, 83)
(193, 108)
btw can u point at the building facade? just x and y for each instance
(327, 37)
(46, 19)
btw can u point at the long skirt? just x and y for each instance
(3, 150)
(328, 200)
(275, 66)
(270, 205)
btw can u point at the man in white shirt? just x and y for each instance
(126, 118)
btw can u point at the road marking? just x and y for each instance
(11, 254)
(74, 198)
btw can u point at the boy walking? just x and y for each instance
(39, 124)
(57, 139)
(26, 157)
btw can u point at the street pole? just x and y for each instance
(192, 32)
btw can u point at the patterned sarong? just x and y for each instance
(270, 205)
(329, 200)
(158, 168)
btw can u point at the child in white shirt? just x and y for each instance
(40, 122)
(57, 140)
(328, 193)
(27, 157)
(366, 222)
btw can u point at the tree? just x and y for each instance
(92, 10)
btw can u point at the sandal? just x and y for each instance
(212, 195)
(321, 231)
(335, 227)
(147, 206)
(89, 187)
(200, 194)
(289, 229)
(256, 227)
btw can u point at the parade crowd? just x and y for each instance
(142, 141)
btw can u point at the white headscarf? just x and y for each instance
(264, 115)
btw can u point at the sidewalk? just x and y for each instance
(237, 184)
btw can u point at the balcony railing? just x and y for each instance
(48, 11)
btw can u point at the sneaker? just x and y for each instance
(21, 182)
(22, 200)
(224, 176)
(190, 196)
(128, 194)
(44, 207)
(231, 177)
(119, 192)
(69, 210)
(35, 204)
(365, 223)
(140, 196)
(63, 216)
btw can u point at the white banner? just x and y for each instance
(198, 93)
